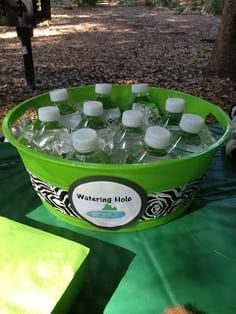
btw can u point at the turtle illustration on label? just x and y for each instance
(107, 212)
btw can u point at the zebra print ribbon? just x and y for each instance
(159, 203)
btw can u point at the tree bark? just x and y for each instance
(223, 59)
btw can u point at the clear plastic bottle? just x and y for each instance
(156, 143)
(141, 101)
(25, 132)
(111, 112)
(93, 118)
(49, 135)
(85, 143)
(69, 118)
(188, 140)
(208, 137)
(130, 137)
(23, 127)
(174, 110)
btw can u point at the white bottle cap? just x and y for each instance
(85, 140)
(175, 105)
(103, 88)
(139, 88)
(58, 95)
(157, 137)
(132, 118)
(191, 123)
(93, 108)
(48, 114)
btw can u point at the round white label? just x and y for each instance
(107, 202)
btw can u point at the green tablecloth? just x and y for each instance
(188, 261)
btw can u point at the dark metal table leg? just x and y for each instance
(25, 34)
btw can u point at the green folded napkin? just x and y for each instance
(40, 273)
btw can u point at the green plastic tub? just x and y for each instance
(117, 197)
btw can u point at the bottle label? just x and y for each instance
(71, 120)
(190, 148)
(139, 107)
(112, 114)
(107, 202)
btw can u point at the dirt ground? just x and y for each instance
(118, 45)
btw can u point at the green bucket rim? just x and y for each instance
(217, 112)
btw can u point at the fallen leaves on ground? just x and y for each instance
(117, 45)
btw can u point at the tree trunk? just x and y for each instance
(223, 59)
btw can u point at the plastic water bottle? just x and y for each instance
(156, 143)
(188, 141)
(207, 136)
(85, 143)
(141, 101)
(231, 144)
(49, 135)
(111, 113)
(130, 137)
(24, 132)
(174, 109)
(23, 127)
(68, 117)
(93, 118)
